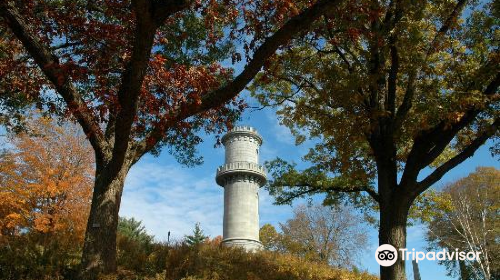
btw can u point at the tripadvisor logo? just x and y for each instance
(386, 255)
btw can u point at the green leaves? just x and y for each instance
(421, 76)
(288, 184)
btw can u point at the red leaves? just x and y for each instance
(92, 44)
(17, 76)
(353, 33)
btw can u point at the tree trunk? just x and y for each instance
(464, 272)
(99, 250)
(393, 219)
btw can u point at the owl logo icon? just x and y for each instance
(386, 255)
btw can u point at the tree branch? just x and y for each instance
(392, 80)
(430, 143)
(224, 94)
(162, 9)
(149, 15)
(452, 18)
(406, 105)
(453, 162)
(337, 50)
(333, 188)
(290, 198)
(49, 64)
(267, 49)
(66, 45)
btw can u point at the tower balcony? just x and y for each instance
(240, 168)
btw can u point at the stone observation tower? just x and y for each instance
(241, 176)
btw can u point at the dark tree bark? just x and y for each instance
(464, 271)
(99, 251)
(393, 219)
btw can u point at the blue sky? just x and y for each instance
(169, 197)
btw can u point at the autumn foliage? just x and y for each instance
(93, 43)
(214, 262)
(46, 177)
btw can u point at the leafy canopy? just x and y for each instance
(386, 88)
(152, 65)
(46, 181)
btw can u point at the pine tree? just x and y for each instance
(197, 238)
(134, 230)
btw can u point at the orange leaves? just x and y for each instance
(46, 181)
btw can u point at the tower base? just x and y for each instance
(250, 245)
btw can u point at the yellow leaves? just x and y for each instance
(46, 180)
(446, 155)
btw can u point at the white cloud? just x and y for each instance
(169, 198)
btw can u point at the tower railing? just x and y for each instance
(243, 128)
(240, 167)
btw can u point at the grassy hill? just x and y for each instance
(214, 262)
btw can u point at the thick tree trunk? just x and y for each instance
(393, 219)
(99, 250)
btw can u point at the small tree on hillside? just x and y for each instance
(197, 238)
(270, 238)
(134, 245)
(134, 230)
(332, 235)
